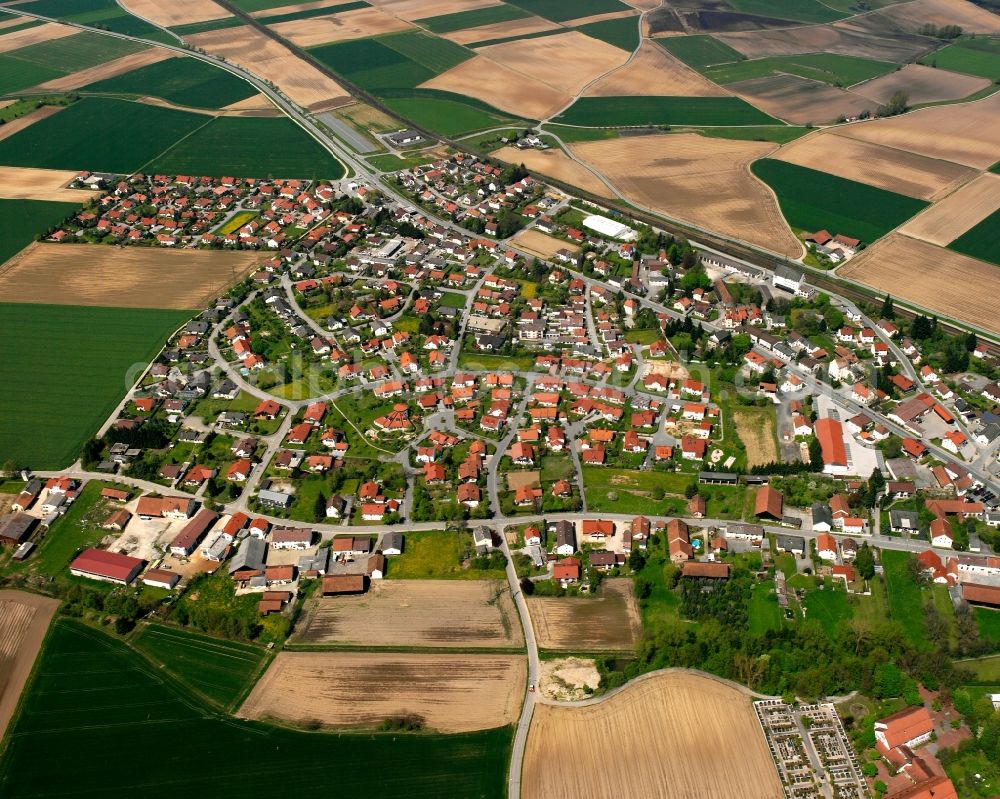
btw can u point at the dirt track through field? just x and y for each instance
(933, 277)
(609, 621)
(28, 183)
(109, 69)
(449, 693)
(554, 163)
(24, 620)
(122, 277)
(948, 219)
(700, 180)
(653, 71)
(429, 613)
(685, 736)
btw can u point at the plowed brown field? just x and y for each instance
(922, 84)
(609, 621)
(948, 219)
(554, 163)
(686, 736)
(444, 613)
(448, 693)
(39, 33)
(970, 17)
(176, 12)
(501, 30)
(653, 71)
(424, 9)
(24, 618)
(28, 183)
(122, 277)
(537, 243)
(800, 100)
(356, 24)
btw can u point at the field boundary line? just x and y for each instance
(142, 168)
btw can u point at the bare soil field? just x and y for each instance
(971, 18)
(425, 9)
(903, 172)
(536, 243)
(442, 613)
(357, 24)
(518, 479)
(933, 277)
(28, 183)
(368, 117)
(564, 679)
(501, 30)
(761, 445)
(448, 693)
(291, 9)
(122, 277)
(701, 180)
(922, 84)
(800, 100)
(554, 163)
(176, 12)
(836, 38)
(601, 17)
(24, 619)
(502, 87)
(966, 133)
(272, 61)
(12, 22)
(39, 33)
(19, 124)
(948, 219)
(653, 71)
(670, 369)
(566, 61)
(107, 70)
(257, 102)
(609, 621)
(671, 721)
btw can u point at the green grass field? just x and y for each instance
(905, 600)
(622, 32)
(22, 220)
(443, 115)
(65, 368)
(256, 147)
(635, 111)
(700, 50)
(436, 555)
(16, 74)
(92, 699)
(838, 70)
(779, 134)
(986, 670)
(622, 490)
(436, 54)
(106, 14)
(829, 608)
(99, 134)
(813, 200)
(184, 81)
(765, 615)
(988, 622)
(460, 20)
(561, 11)
(800, 10)
(978, 56)
(981, 241)
(76, 52)
(221, 670)
(307, 13)
(570, 134)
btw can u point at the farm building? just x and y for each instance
(768, 504)
(187, 540)
(248, 560)
(291, 538)
(16, 528)
(110, 567)
(166, 507)
(160, 578)
(343, 584)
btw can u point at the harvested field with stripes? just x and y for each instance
(554, 163)
(27, 183)
(609, 621)
(948, 219)
(654, 72)
(24, 620)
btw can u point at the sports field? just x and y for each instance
(249, 147)
(221, 670)
(634, 111)
(184, 81)
(93, 699)
(813, 200)
(64, 369)
(22, 220)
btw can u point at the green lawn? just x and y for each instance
(635, 111)
(986, 670)
(800, 10)
(184, 81)
(699, 50)
(839, 70)
(22, 220)
(100, 134)
(646, 336)
(453, 300)
(561, 11)
(988, 622)
(829, 607)
(981, 241)
(813, 200)
(122, 728)
(557, 466)
(257, 147)
(70, 366)
(221, 670)
(435, 555)
(460, 20)
(484, 362)
(622, 32)
(980, 57)
(765, 615)
(622, 490)
(905, 600)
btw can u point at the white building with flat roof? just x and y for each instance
(610, 228)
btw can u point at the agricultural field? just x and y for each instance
(183, 81)
(756, 428)
(123, 277)
(608, 621)
(24, 620)
(622, 32)
(245, 146)
(948, 219)
(800, 100)
(922, 84)
(109, 69)
(699, 51)
(307, 30)
(654, 72)
(812, 200)
(410, 613)
(559, 11)
(800, 11)
(931, 277)
(177, 12)
(980, 57)
(638, 111)
(444, 693)
(696, 179)
(61, 401)
(474, 18)
(106, 14)
(981, 241)
(541, 244)
(837, 70)
(219, 669)
(669, 720)
(863, 37)
(554, 163)
(444, 115)
(23, 219)
(99, 134)
(86, 675)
